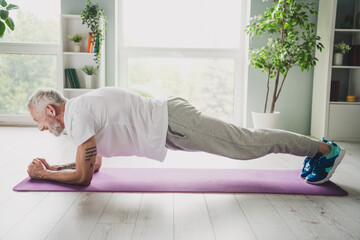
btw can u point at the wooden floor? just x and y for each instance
(166, 215)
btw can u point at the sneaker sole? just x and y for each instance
(336, 163)
(305, 177)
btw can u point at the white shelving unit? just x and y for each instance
(72, 24)
(338, 120)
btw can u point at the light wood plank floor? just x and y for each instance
(36, 216)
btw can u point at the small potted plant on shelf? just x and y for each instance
(291, 42)
(76, 38)
(340, 50)
(89, 71)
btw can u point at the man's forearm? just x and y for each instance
(67, 176)
(65, 166)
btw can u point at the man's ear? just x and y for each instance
(50, 111)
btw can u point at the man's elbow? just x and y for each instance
(85, 181)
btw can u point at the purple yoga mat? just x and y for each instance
(190, 180)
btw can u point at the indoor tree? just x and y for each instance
(292, 41)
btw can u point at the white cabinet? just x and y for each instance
(72, 24)
(344, 121)
(332, 116)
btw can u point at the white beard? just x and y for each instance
(56, 129)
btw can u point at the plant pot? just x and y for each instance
(88, 81)
(338, 58)
(265, 120)
(76, 47)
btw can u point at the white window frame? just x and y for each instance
(36, 49)
(239, 55)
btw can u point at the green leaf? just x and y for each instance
(12, 7)
(4, 14)
(10, 23)
(2, 29)
(3, 3)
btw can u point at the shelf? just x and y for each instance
(345, 67)
(71, 16)
(347, 30)
(345, 103)
(81, 54)
(77, 89)
(71, 24)
(337, 120)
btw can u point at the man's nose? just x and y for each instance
(41, 127)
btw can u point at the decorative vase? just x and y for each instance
(77, 47)
(88, 81)
(265, 120)
(338, 58)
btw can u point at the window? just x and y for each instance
(36, 21)
(28, 56)
(185, 23)
(194, 49)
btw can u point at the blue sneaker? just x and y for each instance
(310, 163)
(326, 165)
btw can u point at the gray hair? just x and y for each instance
(44, 96)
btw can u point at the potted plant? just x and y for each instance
(76, 38)
(89, 72)
(93, 16)
(6, 22)
(340, 50)
(292, 41)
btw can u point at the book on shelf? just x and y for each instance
(354, 56)
(334, 91)
(73, 72)
(93, 43)
(70, 74)
(69, 78)
(96, 47)
(89, 42)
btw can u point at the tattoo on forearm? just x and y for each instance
(91, 165)
(92, 148)
(68, 166)
(90, 152)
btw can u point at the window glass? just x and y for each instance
(207, 83)
(35, 21)
(20, 76)
(184, 24)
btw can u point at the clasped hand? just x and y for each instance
(36, 168)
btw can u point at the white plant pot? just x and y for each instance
(338, 58)
(76, 47)
(88, 81)
(265, 120)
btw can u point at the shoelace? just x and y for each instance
(315, 170)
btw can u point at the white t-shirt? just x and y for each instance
(123, 123)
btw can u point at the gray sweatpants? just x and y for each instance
(190, 130)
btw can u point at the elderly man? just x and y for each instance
(110, 122)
